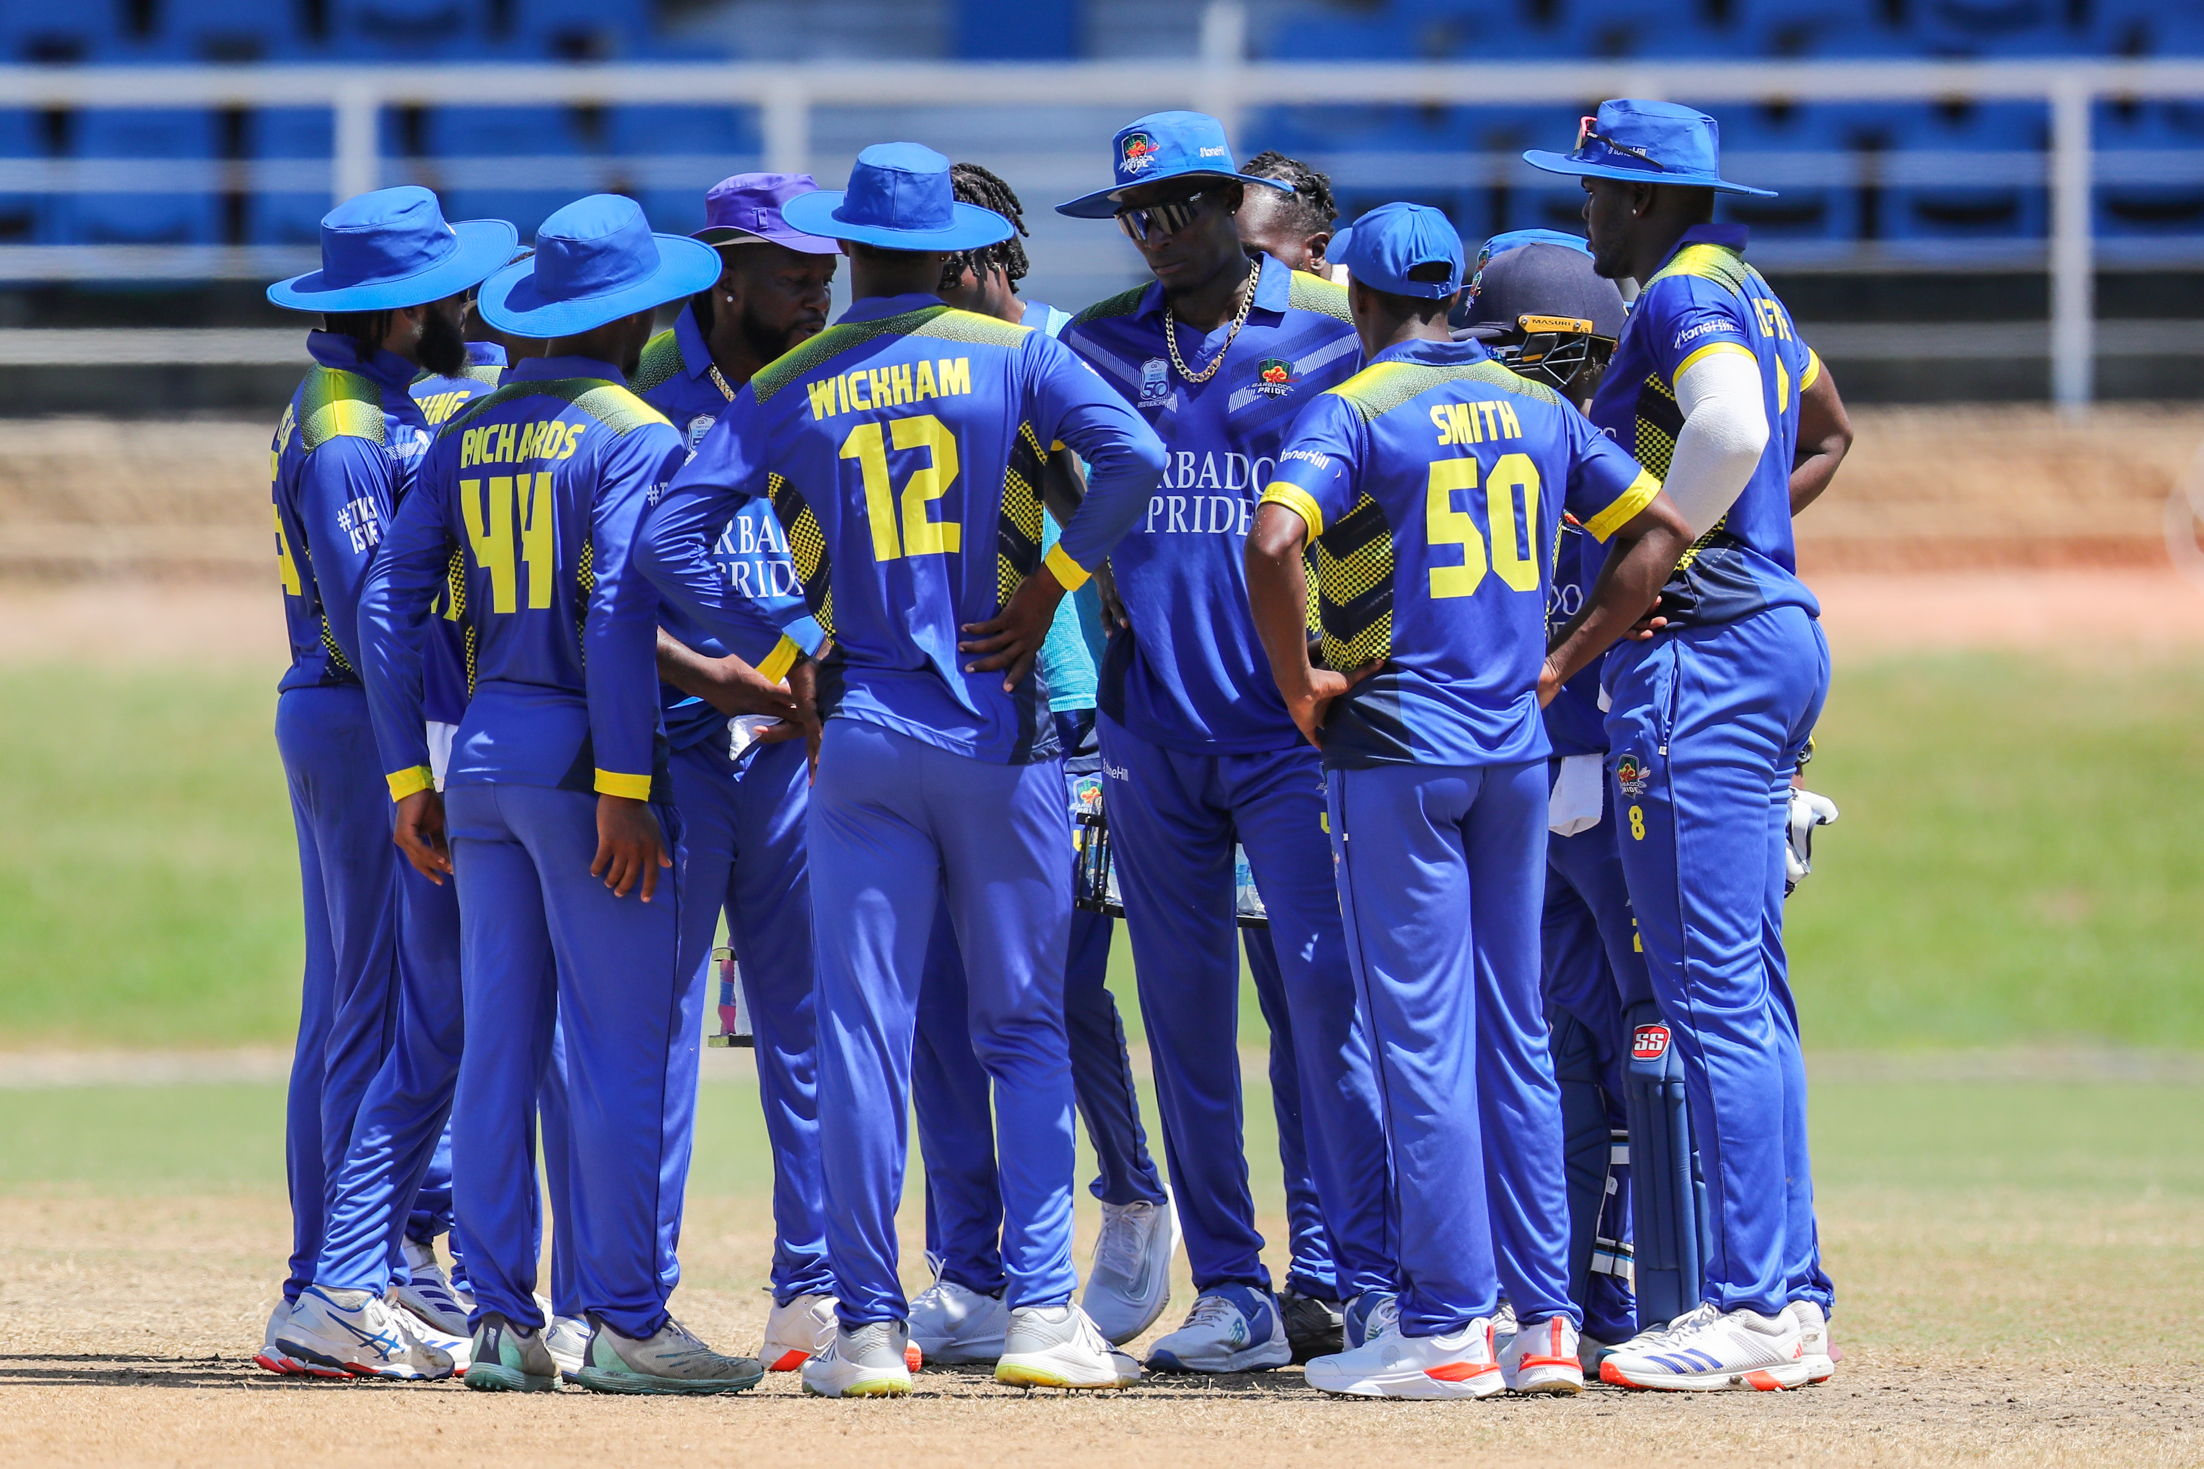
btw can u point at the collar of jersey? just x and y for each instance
(696, 353)
(551, 369)
(343, 353)
(1728, 236)
(485, 354)
(1273, 290)
(875, 308)
(1433, 354)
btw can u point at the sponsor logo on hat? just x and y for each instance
(1630, 776)
(1212, 152)
(1155, 382)
(1649, 1043)
(1136, 154)
(1274, 377)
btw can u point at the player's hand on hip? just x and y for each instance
(630, 847)
(419, 833)
(1312, 704)
(737, 688)
(1012, 639)
(1114, 615)
(1643, 629)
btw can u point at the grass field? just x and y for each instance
(2017, 862)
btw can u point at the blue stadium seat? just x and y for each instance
(145, 214)
(2153, 184)
(21, 214)
(1805, 153)
(80, 31)
(1819, 28)
(1998, 198)
(1992, 28)
(482, 132)
(232, 30)
(392, 29)
(580, 30)
(713, 141)
(2148, 28)
(305, 135)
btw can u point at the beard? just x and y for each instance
(767, 342)
(443, 346)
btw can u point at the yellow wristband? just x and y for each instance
(780, 660)
(1069, 574)
(634, 787)
(404, 783)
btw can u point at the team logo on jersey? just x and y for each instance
(1274, 377)
(1136, 153)
(1649, 1043)
(1086, 795)
(1630, 776)
(699, 426)
(1155, 382)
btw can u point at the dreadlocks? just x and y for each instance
(976, 185)
(1312, 191)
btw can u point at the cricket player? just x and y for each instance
(345, 455)
(1431, 485)
(558, 814)
(961, 1317)
(1218, 353)
(1294, 228)
(903, 451)
(1706, 725)
(742, 787)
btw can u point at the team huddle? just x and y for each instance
(1434, 639)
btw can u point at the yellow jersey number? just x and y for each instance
(506, 526)
(913, 532)
(1511, 489)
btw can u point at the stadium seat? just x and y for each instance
(1993, 28)
(578, 30)
(48, 34)
(143, 213)
(670, 155)
(2147, 28)
(21, 213)
(232, 30)
(402, 29)
(1998, 196)
(1829, 29)
(1804, 151)
(302, 137)
(2150, 162)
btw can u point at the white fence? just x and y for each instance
(810, 113)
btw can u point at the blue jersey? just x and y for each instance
(902, 451)
(444, 678)
(1433, 483)
(1192, 674)
(528, 501)
(1067, 659)
(1574, 720)
(344, 454)
(441, 397)
(1706, 299)
(677, 377)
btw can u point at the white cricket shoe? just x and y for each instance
(511, 1358)
(428, 1292)
(1455, 1364)
(1816, 1347)
(1368, 1316)
(866, 1363)
(797, 1331)
(1129, 1281)
(358, 1332)
(1711, 1350)
(567, 1340)
(272, 1358)
(1543, 1358)
(671, 1362)
(1060, 1346)
(950, 1323)
(1232, 1328)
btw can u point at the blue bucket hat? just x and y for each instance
(1164, 145)
(900, 197)
(750, 206)
(1382, 247)
(1646, 142)
(391, 248)
(596, 261)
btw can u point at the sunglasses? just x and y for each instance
(1587, 131)
(1167, 218)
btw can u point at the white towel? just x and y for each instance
(440, 750)
(1575, 803)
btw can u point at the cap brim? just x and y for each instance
(1102, 204)
(716, 235)
(1562, 163)
(969, 226)
(483, 246)
(510, 301)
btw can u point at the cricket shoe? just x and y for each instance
(1816, 1347)
(1060, 1346)
(1369, 1316)
(511, 1358)
(1454, 1364)
(428, 1293)
(1711, 1350)
(358, 1332)
(1232, 1328)
(797, 1331)
(1542, 1358)
(1314, 1327)
(271, 1358)
(866, 1363)
(567, 1340)
(671, 1362)
(1129, 1282)
(950, 1323)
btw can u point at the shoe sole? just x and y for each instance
(1550, 1383)
(872, 1387)
(1757, 1379)
(1819, 1370)
(636, 1385)
(1248, 1361)
(321, 1364)
(1421, 1386)
(1036, 1374)
(488, 1377)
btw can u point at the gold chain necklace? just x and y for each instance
(719, 382)
(1171, 333)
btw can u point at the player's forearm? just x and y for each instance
(1278, 595)
(1824, 438)
(1125, 462)
(672, 552)
(727, 684)
(1639, 562)
(620, 679)
(393, 627)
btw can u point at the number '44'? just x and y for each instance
(509, 522)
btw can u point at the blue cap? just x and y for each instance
(596, 261)
(749, 206)
(1164, 145)
(1649, 143)
(392, 248)
(1383, 246)
(899, 197)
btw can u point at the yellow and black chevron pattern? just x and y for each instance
(799, 361)
(455, 606)
(1659, 420)
(661, 360)
(611, 405)
(1018, 536)
(807, 549)
(585, 581)
(1354, 585)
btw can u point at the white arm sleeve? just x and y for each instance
(1725, 431)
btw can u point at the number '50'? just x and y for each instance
(1510, 489)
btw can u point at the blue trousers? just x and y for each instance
(348, 1005)
(1706, 727)
(900, 829)
(1173, 819)
(1440, 873)
(742, 829)
(1311, 1268)
(543, 943)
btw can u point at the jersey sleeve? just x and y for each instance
(397, 598)
(347, 489)
(1315, 476)
(1691, 319)
(1606, 487)
(620, 623)
(1124, 458)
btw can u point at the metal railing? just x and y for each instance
(790, 100)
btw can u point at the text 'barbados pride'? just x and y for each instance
(890, 386)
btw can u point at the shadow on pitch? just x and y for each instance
(108, 1369)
